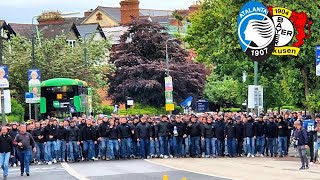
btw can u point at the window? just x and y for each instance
(99, 17)
(71, 43)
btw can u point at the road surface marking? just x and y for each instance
(73, 172)
(195, 172)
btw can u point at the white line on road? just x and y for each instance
(195, 172)
(73, 172)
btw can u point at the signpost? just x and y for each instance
(202, 106)
(34, 82)
(255, 98)
(318, 60)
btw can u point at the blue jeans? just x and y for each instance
(144, 148)
(250, 145)
(272, 144)
(195, 146)
(113, 148)
(88, 149)
(282, 143)
(187, 145)
(40, 151)
(231, 142)
(4, 162)
(177, 146)
(61, 149)
(316, 148)
(103, 146)
(73, 150)
(14, 159)
(135, 148)
(211, 146)
(203, 146)
(260, 144)
(164, 145)
(220, 144)
(24, 156)
(152, 147)
(125, 147)
(51, 150)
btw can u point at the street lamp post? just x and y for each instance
(167, 56)
(85, 46)
(170, 101)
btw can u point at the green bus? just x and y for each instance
(64, 97)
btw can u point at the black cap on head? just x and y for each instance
(308, 116)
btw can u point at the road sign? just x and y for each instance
(169, 107)
(29, 97)
(7, 101)
(34, 77)
(318, 60)
(255, 97)
(4, 76)
(202, 106)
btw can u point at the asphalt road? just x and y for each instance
(111, 170)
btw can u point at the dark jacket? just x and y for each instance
(271, 130)
(38, 132)
(301, 136)
(219, 129)
(50, 130)
(113, 133)
(261, 128)
(249, 129)
(62, 133)
(163, 129)
(239, 131)
(194, 129)
(6, 144)
(88, 133)
(124, 131)
(230, 130)
(282, 132)
(181, 128)
(103, 129)
(144, 131)
(74, 134)
(26, 140)
(208, 130)
(13, 133)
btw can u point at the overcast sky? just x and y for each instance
(22, 11)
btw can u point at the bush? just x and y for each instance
(231, 109)
(13, 118)
(291, 108)
(17, 112)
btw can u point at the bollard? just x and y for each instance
(165, 177)
(184, 178)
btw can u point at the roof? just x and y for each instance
(6, 27)
(76, 20)
(115, 14)
(114, 33)
(62, 82)
(54, 30)
(89, 28)
(24, 30)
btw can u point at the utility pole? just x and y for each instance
(3, 114)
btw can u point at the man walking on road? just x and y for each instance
(301, 138)
(26, 144)
(6, 148)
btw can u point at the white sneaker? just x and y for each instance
(252, 155)
(19, 163)
(203, 155)
(14, 165)
(39, 163)
(161, 156)
(54, 161)
(49, 163)
(261, 155)
(165, 156)
(249, 155)
(171, 156)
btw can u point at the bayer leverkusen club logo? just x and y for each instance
(265, 31)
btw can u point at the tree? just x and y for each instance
(140, 67)
(55, 58)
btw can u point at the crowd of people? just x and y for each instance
(209, 135)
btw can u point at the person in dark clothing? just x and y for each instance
(230, 134)
(62, 140)
(219, 133)
(282, 136)
(144, 132)
(179, 133)
(163, 132)
(239, 136)
(290, 122)
(271, 135)
(208, 133)
(124, 135)
(135, 152)
(260, 140)
(194, 130)
(13, 133)
(50, 133)
(74, 142)
(103, 138)
(301, 140)
(113, 144)
(6, 149)
(88, 139)
(38, 136)
(249, 130)
(26, 144)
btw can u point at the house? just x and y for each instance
(5, 30)
(24, 30)
(94, 30)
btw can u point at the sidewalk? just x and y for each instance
(245, 168)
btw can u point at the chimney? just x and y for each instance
(194, 7)
(129, 9)
(49, 18)
(87, 13)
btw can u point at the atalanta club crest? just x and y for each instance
(265, 31)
